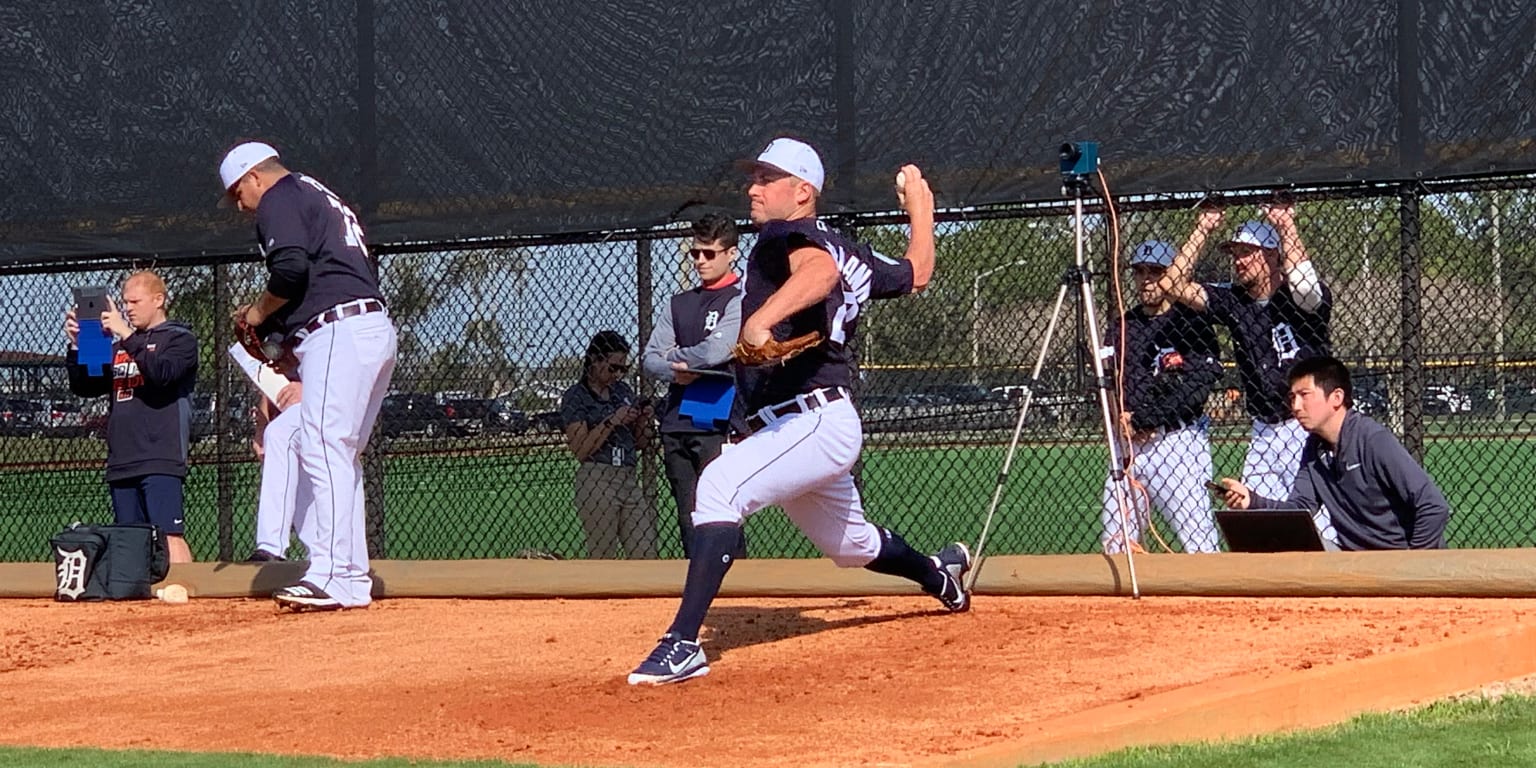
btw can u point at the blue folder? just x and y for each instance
(94, 348)
(707, 401)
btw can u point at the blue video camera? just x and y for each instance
(1079, 158)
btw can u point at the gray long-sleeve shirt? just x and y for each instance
(1376, 494)
(698, 328)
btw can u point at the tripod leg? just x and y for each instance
(1013, 444)
(1116, 457)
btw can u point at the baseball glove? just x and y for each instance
(250, 338)
(774, 352)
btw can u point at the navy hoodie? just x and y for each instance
(150, 422)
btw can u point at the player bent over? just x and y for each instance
(802, 278)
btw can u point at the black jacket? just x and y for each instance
(149, 425)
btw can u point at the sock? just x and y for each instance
(898, 559)
(713, 548)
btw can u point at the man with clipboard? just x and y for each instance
(691, 349)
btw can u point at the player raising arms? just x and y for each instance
(802, 278)
(1277, 312)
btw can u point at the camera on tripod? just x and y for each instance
(1079, 158)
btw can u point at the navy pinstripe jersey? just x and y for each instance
(865, 274)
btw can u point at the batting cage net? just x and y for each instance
(526, 174)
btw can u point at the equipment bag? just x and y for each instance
(108, 562)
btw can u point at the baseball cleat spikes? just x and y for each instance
(954, 561)
(673, 661)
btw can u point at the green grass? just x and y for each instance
(494, 504)
(1482, 733)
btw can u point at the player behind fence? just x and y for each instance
(805, 289)
(1278, 312)
(1168, 360)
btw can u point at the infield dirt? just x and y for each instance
(812, 682)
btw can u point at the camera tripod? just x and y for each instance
(1076, 163)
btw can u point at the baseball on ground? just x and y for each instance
(172, 593)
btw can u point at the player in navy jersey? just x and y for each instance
(1277, 312)
(802, 277)
(322, 297)
(1168, 360)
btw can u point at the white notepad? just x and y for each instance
(266, 379)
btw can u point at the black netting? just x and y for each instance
(445, 121)
(469, 460)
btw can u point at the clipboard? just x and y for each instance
(267, 380)
(709, 372)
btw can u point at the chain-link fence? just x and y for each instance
(469, 460)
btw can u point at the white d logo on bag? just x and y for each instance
(71, 573)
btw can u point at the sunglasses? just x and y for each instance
(708, 253)
(618, 368)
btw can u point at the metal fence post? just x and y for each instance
(1411, 332)
(645, 309)
(223, 466)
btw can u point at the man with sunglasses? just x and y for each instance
(1278, 313)
(696, 333)
(802, 277)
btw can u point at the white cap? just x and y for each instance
(240, 160)
(795, 158)
(1153, 253)
(1254, 233)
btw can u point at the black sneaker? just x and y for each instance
(263, 556)
(954, 561)
(305, 596)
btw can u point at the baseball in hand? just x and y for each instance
(901, 181)
(174, 594)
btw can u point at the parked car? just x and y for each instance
(503, 417)
(963, 394)
(237, 417)
(22, 417)
(62, 418)
(1372, 401)
(467, 415)
(548, 421)
(1445, 399)
(412, 414)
